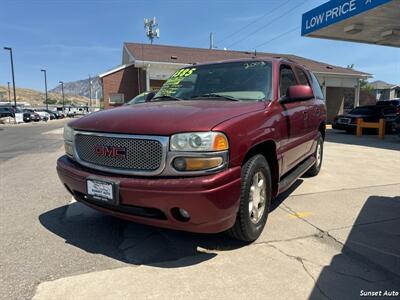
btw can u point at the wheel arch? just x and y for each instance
(268, 150)
(322, 129)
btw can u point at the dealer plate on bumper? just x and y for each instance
(102, 190)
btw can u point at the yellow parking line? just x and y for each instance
(302, 214)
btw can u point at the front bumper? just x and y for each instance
(340, 126)
(212, 201)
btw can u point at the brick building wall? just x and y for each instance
(129, 81)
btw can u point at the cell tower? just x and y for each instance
(152, 30)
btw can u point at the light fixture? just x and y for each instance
(353, 29)
(390, 33)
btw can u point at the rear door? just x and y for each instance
(311, 112)
(294, 146)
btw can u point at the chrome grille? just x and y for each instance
(142, 154)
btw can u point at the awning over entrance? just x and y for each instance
(363, 21)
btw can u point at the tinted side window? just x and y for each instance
(316, 87)
(302, 77)
(286, 79)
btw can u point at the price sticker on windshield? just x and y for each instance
(184, 72)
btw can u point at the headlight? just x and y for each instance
(199, 141)
(68, 140)
(68, 133)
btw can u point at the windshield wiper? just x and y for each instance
(215, 95)
(166, 97)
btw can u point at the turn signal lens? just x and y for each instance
(220, 142)
(196, 163)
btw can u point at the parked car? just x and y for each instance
(44, 116)
(6, 112)
(397, 126)
(33, 115)
(393, 102)
(59, 114)
(208, 153)
(17, 113)
(369, 113)
(52, 115)
(141, 98)
(26, 116)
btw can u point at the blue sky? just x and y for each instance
(75, 38)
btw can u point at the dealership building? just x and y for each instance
(145, 67)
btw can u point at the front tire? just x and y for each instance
(255, 200)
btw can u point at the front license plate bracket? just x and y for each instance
(102, 190)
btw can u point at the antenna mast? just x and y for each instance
(152, 29)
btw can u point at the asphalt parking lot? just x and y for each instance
(334, 236)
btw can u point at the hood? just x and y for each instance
(165, 118)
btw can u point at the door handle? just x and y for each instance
(305, 115)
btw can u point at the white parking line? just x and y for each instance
(55, 131)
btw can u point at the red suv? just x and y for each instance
(208, 153)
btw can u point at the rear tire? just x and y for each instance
(255, 200)
(318, 154)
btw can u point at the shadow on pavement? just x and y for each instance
(391, 142)
(282, 197)
(130, 242)
(135, 243)
(370, 257)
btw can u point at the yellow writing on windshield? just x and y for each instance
(184, 72)
(174, 82)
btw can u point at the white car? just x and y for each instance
(44, 116)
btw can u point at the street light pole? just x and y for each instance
(45, 86)
(13, 79)
(90, 91)
(9, 92)
(63, 97)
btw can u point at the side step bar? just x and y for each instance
(290, 178)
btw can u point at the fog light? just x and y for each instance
(184, 213)
(180, 214)
(196, 163)
(180, 164)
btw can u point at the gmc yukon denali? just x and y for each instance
(208, 153)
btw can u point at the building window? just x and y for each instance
(116, 98)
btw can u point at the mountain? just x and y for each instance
(81, 88)
(36, 98)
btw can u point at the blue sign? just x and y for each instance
(335, 11)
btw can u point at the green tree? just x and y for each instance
(50, 101)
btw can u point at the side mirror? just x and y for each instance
(298, 93)
(150, 96)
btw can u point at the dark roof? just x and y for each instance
(186, 55)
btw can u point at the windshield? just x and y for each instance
(363, 111)
(138, 99)
(229, 81)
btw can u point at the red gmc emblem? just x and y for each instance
(110, 151)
